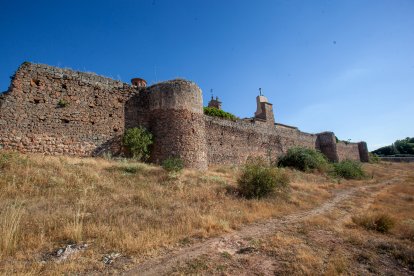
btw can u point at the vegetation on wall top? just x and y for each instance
(346, 142)
(214, 112)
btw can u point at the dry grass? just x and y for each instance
(140, 211)
(397, 203)
(10, 218)
(132, 208)
(378, 222)
(332, 243)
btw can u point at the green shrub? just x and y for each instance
(137, 140)
(258, 179)
(373, 158)
(173, 164)
(348, 169)
(62, 103)
(404, 146)
(304, 159)
(126, 169)
(378, 222)
(212, 111)
(5, 159)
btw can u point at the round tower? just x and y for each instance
(177, 122)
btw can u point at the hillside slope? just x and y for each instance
(71, 215)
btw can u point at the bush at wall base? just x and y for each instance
(137, 141)
(348, 169)
(173, 164)
(304, 159)
(258, 179)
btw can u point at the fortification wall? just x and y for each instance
(99, 109)
(232, 142)
(347, 151)
(177, 121)
(96, 112)
(31, 119)
(363, 152)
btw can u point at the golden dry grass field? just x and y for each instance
(118, 214)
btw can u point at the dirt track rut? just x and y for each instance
(234, 241)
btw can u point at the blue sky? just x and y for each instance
(345, 66)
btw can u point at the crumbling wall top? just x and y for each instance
(178, 94)
(69, 74)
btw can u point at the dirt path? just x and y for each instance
(236, 240)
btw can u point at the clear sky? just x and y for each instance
(344, 65)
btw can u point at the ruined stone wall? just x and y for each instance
(339, 151)
(58, 111)
(232, 142)
(326, 143)
(347, 151)
(363, 152)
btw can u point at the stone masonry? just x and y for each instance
(61, 111)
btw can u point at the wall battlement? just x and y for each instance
(61, 111)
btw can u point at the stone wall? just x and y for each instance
(58, 111)
(326, 143)
(347, 151)
(339, 151)
(232, 142)
(363, 152)
(397, 159)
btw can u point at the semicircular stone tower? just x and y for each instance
(177, 122)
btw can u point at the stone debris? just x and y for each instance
(246, 250)
(63, 253)
(110, 258)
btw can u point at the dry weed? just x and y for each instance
(10, 226)
(127, 207)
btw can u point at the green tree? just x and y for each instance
(138, 141)
(404, 146)
(212, 111)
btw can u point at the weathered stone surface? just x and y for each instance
(231, 142)
(348, 151)
(363, 152)
(61, 111)
(326, 143)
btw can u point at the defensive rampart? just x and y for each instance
(232, 142)
(61, 111)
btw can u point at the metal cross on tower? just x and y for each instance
(260, 92)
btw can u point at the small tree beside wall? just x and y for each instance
(137, 141)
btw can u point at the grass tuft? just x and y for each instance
(10, 218)
(382, 223)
